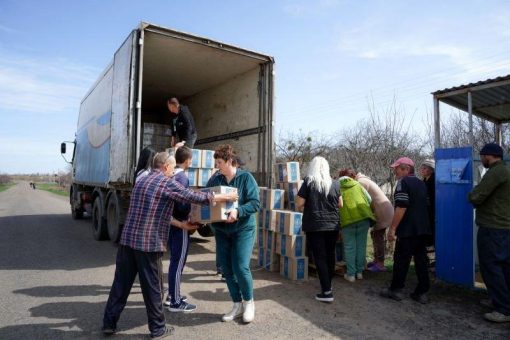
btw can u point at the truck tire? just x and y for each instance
(113, 222)
(98, 221)
(205, 231)
(76, 213)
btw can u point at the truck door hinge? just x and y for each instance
(140, 41)
(138, 105)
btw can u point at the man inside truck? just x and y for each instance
(182, 124)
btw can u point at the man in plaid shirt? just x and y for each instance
(144, 239)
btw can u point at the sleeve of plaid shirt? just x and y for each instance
(176, 191)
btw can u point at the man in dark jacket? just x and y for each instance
(427, 171)
(182, 124)
(491, 198)
(410, 226)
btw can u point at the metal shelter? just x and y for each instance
(458, 170)
(488, 99)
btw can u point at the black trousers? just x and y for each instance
(494, 257)
(405, 250)
(149, 268)
(322, 245)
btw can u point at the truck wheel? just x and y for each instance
(77, 214)
(98, 221)
(205, 231)
(113, 218)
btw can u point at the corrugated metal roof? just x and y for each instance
(482, 82)
(490, 98)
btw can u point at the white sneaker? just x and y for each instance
(249, 311)
(349, 278)
(359, 276)
(237, 311)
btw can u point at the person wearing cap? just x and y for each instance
(427, 171)
(182, 125)
(491, 199)
(410, 227)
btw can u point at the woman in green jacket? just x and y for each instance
(235, 237)
(355, 218)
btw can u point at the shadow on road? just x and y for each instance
(51, 242)
(82, 319)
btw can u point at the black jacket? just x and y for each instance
(183, 125)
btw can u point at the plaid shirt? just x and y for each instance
(150, 211)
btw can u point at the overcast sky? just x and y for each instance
(331, 56)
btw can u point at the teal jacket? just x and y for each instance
(357, 201)
(491, 197)
(249, 201)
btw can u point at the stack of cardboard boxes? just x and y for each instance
(157, 136)
(282, 244)
(201, 169)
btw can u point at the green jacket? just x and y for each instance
(249, 201)
(356, 202)
(491, 197)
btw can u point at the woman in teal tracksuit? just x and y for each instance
(235, 237)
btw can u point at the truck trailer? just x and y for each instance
(229, 91)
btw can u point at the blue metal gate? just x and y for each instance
(455, 249)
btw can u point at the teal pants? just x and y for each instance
(234, 247)
(355, 246)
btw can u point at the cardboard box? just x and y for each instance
(213, 213)
(260, 237)
(291, 193)
(207, 159)
(271, 261)
(294, 268)
(292, 246)
(270, 219)
(204, 175)
(270, 240)
(196, 161)
(290, 223)
(288, 172)
(260, 257)
(192, 174)
(278, 243)
(272, 199)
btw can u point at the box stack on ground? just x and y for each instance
(283, 242)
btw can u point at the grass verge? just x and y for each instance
(4, 187)
(53, 188)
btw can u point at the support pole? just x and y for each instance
(499, 137)
(437, 124)
(470, 111)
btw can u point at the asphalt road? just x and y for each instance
(55, 279)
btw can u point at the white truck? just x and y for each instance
(229, 91)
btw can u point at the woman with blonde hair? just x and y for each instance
(319, 198)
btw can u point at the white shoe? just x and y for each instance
(349, 278)
(359, 276)
(237, 311)
(249, 311)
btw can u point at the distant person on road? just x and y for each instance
(144, 165)
(383, 212)
(178, 238)
(319, 198)
(427, 171)
(144, 239)
(182, 124)
(491, 199)
(411, 229)
(356, 216)
(236, 236)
